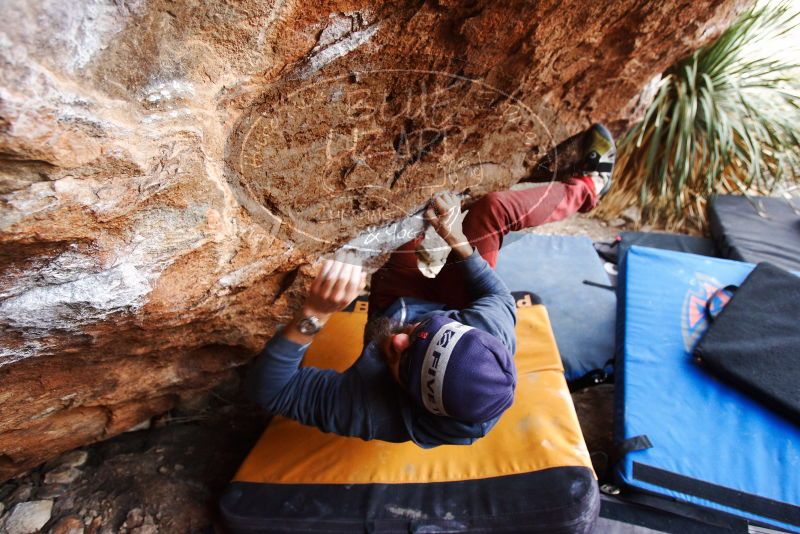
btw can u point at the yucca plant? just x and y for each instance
(724, 119)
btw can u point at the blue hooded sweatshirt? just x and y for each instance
(365, 401)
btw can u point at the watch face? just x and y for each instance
(308, 325)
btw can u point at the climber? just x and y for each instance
(437, 365)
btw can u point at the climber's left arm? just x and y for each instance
(332, 401)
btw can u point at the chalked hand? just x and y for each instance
(444, 215)
(338, 283)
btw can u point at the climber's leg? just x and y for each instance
(497, 214)
(492, 217)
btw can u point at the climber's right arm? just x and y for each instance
(308, 395)
(331, 401)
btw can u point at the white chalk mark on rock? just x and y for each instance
(74, 31)
(242, 275)
(164, 90)
(76, 288)
(173, 114)
(343, 34)
(89, 296)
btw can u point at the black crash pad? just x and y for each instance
(757, 229)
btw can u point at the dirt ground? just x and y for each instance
(168, 477)
(165, 478)
(595, 229)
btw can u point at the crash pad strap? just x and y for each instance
(632, 444)
(736, 499)
(539, 431)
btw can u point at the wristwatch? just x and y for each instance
(308, 326)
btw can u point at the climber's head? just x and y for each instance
(451, 369)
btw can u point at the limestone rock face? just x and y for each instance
(170, 169)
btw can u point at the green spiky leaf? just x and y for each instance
(725, 118)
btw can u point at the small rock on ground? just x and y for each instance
(632, 214)
(53, 491)
(63, 475)
(70, 524)
(73, 459)
(23, 493)
(28, 517)
(134, 519)
(148, 527)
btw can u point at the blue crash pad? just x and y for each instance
(711, 444)
(582, 315)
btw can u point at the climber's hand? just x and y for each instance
(444, 214)
(338, 283)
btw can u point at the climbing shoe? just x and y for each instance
(599, 160)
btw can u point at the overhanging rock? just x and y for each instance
(170, 169)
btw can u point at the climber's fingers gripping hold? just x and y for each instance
(444, 214)
(338, 283)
